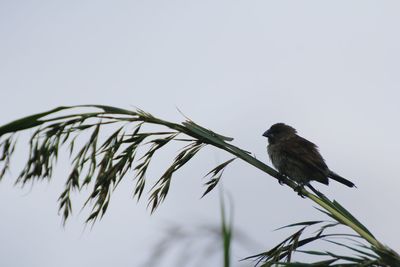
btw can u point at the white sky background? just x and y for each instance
(328, 68)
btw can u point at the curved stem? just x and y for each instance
(204, 135)
(344, 220)
(197, 131)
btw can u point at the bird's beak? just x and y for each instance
(267, 134)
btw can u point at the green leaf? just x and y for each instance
(307, 223)
(28, 122)
(217, 173)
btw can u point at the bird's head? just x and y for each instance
(279, 131)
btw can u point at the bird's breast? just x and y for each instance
(276, 157)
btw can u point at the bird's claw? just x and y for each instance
(299, 189)
(281, 178)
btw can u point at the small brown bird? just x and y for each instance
(298, 158)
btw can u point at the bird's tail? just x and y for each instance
(340, 179)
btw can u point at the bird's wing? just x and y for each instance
(305, 153)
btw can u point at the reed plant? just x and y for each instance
(103, 164)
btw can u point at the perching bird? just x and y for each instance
(298, 158)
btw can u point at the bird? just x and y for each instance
(297, 158)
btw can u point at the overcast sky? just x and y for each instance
(328, 68)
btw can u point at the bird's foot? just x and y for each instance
(299, 188)
(281, 178)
